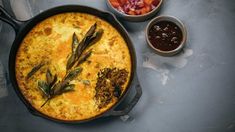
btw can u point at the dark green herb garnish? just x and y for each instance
(73, 57)
(62, 87)
(69, 87)
(75, 43)
(84, 57)
(109, 84)
(96, 37)
(51, 80)
(44, 87)
(52, 87)
(85, 41)
(91, 37)
(34, 70)
(72, 74)
(71, 61)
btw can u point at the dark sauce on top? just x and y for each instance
(165, 35)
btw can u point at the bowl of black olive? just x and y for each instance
(166, 35)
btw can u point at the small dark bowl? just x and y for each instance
(134, 18)
(175, 21)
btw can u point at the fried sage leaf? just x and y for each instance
(68, 88)
(85, 41)
(61, 87)
(52, 87)
(90, 38)
(54, 81)
(84, 57)
(72, 57)
(56, 90)
(49, 77)
(91, 31)
(96, 37)
(72, 74)
(74, 43)
(51, 80)
(44, 87)
(71, 61)
(34, 70)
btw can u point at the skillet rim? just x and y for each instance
(28, 25)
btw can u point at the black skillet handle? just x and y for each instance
(130, 105)
(6, 17)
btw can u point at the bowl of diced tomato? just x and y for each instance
(134, 10)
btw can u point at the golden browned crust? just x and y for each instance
(50, 42)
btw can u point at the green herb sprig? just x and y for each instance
(52, 86)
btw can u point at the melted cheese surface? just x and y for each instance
(50, 42)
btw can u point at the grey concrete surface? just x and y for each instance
(191, 92)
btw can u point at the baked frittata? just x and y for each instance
(48, 46)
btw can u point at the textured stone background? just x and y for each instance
(191, 92)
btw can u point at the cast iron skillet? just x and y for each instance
(23, 27)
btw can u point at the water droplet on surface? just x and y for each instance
(124, 118)
(127, 118)
(158, 64)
